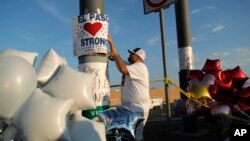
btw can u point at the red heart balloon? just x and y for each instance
(211, 65)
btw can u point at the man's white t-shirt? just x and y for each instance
(135, 88)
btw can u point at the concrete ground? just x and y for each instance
(159, 128)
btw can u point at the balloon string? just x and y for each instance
(170, 82)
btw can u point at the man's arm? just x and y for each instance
(121, 66)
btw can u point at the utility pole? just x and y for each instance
(97, 62)
(184, 42)
(185, 56)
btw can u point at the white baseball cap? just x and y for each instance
(140, 52)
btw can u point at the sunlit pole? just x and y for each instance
(95, 61)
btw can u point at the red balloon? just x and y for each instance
(224, 80)
(195, 74)
(244, 92)
(211, 65)
(236, 73)
(244, 104)
(213, 91)
(238, 77)
(215, 73)
(220, 93)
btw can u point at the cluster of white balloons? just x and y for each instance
(45, 104)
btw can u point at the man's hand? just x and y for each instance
(109, 39)
(113, 52)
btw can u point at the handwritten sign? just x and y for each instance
(90, 33)
(101, 89)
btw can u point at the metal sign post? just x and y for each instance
(168, 112)
(155, 5)
(158, 6)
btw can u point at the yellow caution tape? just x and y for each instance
(170, 82)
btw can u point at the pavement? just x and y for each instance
(160, 128)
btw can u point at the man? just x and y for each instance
(135, 80)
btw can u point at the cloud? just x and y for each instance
(231, 58)
(213, 27)
(25, 37)
(234, 57)
(198, 38)
(172, 42)
(199, 10)
(49, 8)
(210, 7)
(156, 40)
(115, 29)
(207, 26)
(195, 11)
(219, 54)
(152, 41)
(218, 28)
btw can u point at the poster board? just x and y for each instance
(90, 33)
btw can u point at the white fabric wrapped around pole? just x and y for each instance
(44, 118)
(48, 66)
(17, 82)
(69, 83)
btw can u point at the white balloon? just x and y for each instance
(44, 118)
(221, 109)
(246, 84)
(191, 106)
(50, 63)
(83, 129)
(29, 56)
(17, 82)
(69, 83)
(208, 80)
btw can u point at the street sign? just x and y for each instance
(154, 5)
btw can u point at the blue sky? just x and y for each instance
(219, 30)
